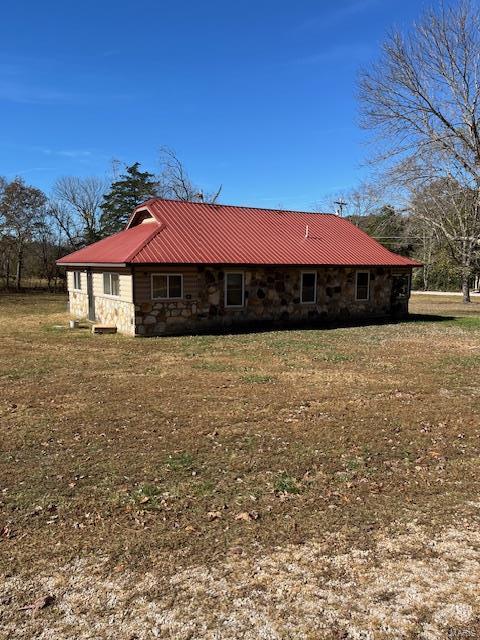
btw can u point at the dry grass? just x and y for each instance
(292, 484)
(444, 305)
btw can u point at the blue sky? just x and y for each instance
(256, 95)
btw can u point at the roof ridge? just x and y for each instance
(234, 206)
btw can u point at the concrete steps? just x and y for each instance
(103, 328)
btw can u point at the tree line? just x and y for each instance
(405, 227)
(36, 230)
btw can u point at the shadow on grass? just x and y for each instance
(311, 325)
(425, 317)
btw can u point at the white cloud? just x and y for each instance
(17, 91)
(350, 51)
(327, 20)
(67, 153)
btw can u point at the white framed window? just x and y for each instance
(362, 285)
(77, 280)
(167, 286)
(234, 289)
(308, 288)
(111, 283)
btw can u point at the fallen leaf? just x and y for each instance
(247, 516)
(214, 515)
(7, 532)
(40, 603)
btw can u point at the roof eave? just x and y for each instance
(60, 263)
(284, 264)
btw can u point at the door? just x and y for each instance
(91, 299)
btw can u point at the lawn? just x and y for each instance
(288, 484)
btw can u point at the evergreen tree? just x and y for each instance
(133, 188)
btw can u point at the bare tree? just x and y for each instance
(427, 243)
(450, 213)
(6, 242)
(175, 183)
(21, 211)
(48, 247)
(67, 224)
(362, 200)
(365, 199)
(7, 252)
(422, 98)
(76, 208)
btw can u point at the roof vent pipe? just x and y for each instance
(306, 231)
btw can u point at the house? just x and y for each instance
(189, 267)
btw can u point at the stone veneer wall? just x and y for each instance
(110, 311)
(272, 295)
(114, 312)
(78, 304)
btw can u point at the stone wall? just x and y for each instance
(78, 304)
(272, 296)
(108, 310)
(115, 312)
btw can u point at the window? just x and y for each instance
(309, 287)
(362, 285)
(167, 285)
(401, 285)
(111, 284)
(234, 289)
(77, 280)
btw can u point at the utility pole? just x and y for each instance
(340, 204)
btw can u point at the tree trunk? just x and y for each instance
(7, 273)
(425, 277)
(466, 289)
(18, 283)
(466, 269)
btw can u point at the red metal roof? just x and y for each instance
(198, 233)
(117, 248)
